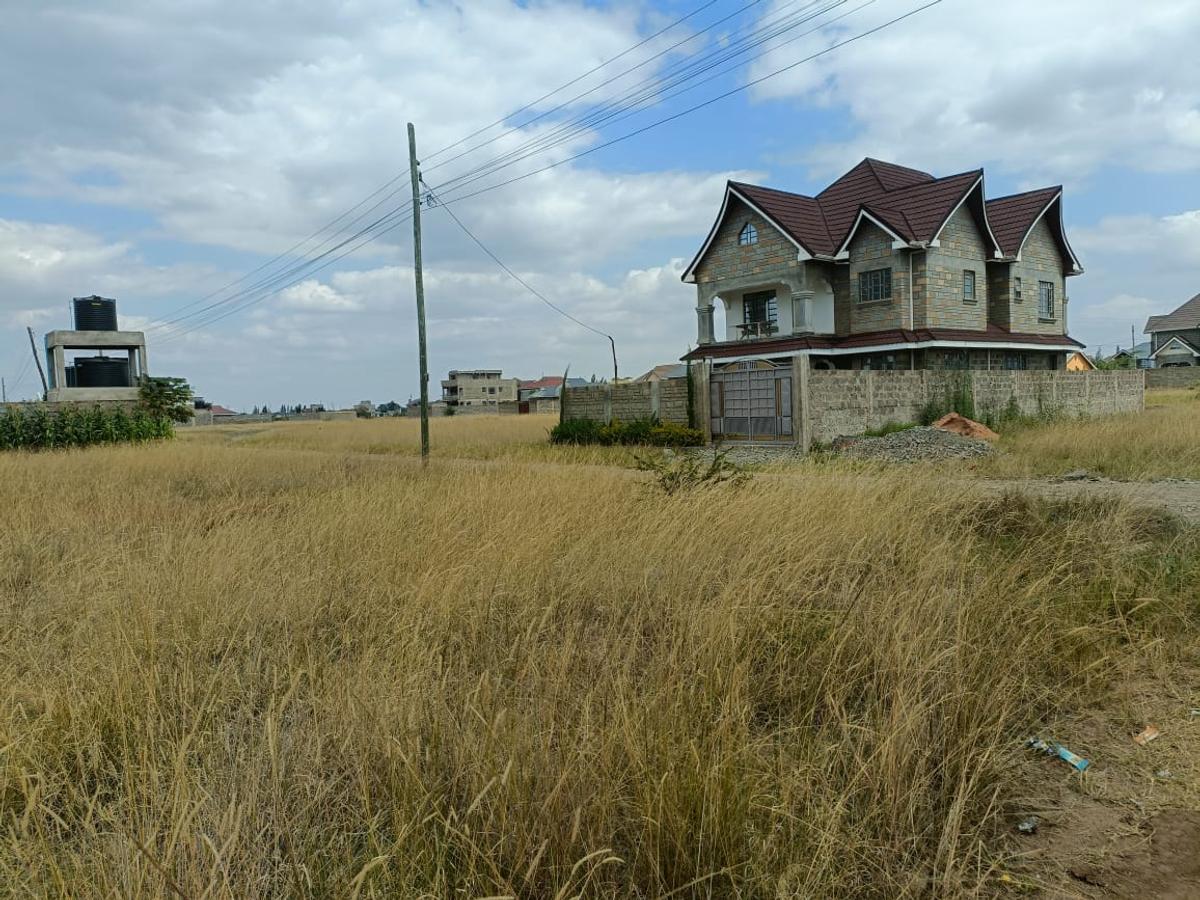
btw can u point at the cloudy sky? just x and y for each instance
(158, 151)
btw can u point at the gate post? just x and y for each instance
(703, 398)
(801, 426)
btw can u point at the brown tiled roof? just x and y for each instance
(800, 216)
(913, 204)
(1185, 317)
(1012, 217)
(926, 206)
(993, 334)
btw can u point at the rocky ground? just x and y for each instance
(912, 445)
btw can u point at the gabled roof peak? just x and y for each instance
(914, 205)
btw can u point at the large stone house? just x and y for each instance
(1175, 337)
(886, 268)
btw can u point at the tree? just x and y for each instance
(166, 398)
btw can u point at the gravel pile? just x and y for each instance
(912, 444)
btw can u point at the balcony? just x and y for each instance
(750, 331)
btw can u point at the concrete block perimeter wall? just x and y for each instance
(849, 403)
(626, 401)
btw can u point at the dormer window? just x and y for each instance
(748, 236)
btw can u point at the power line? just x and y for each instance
(576, 80)
(525, 284)
(690, 109)
(286, 253)
(646, 89)
(277, 278)
(268, 286)
(272, 290)
(602, 84)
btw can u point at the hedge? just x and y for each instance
(647, 432)
(37, 429)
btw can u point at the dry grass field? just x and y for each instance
(289, 661)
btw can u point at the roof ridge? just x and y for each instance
(934, 181)
(1057, 188)
(763, 187)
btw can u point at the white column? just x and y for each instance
(704, 324)
(802, 312)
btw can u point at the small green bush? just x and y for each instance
(37, 429)
(687, 473)
(889, 428)
(639, 432)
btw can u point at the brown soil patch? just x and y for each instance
(1130, 825)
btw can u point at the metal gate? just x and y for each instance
(751, 400)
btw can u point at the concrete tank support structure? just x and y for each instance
(58, 342)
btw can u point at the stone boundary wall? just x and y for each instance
(629, 400)
(848, 403)
(1174, 377)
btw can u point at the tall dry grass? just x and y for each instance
(484, 437)
(1162, 442)
(239, 671)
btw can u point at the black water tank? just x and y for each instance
(95, 314)
(101, 371)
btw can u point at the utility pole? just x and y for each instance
(37, 359)
(3, 391)
(416, 199)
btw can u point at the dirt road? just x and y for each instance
(1180, 497)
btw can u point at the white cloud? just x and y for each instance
(1051, 91)
(1137, 266)
(245, 129)
(316, 297)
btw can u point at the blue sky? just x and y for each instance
(156, 150)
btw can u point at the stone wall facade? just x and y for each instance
(1040, 261)
(872, 249)
(962, 249)
(849, 403)
(726, 258)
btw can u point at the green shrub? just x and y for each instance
(889, 428)
(639, 432)
(676, 474)
(38, 429)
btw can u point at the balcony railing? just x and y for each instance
(748, 331)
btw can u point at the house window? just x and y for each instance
(1017, 288)
(874, 285)
(969, 285)
(954, 359)
(881, 362)
(748, 236)
(1045, 299)
(760, 307)
(1016, 361)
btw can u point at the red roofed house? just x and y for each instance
(531, 386)
(887, 268)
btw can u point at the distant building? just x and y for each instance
(1079, 362)
(547, 399)
(663, 372)
(478, 387)
(1138, 356)
(531, 386)
(1175, 337)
